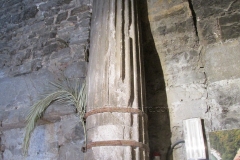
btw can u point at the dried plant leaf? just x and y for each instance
(67, 93)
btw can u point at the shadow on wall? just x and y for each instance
(158, 114)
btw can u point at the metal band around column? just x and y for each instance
(131, 143)
(114, 109)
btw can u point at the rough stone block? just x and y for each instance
(207, 8)
(70, 129)
(63, 53)
(186, 109)
(174, 12)
(72, 19)
(30, 12)
(41, 146)
(84, 22)
(71, 151)
(65, 34)
(17, 18)
(11, 3)
(164, 4)
(234, 6)
(161, 30)
(61, 17)
(229, 32)
(230, 26)
(78, 50)
(84, 15)
(77, 10)
(15, 119)
(20, 57)
(49, 21)
(208, 31)
(52, 34)
(37, 64)
(175, 43)
(229, 19)
(81, 31)
(18, 92)
(25, 68)
(12, 146)
(187, 93)
(1, 3)
(46, 141)
(51, 13)
(55, 111)
(5, 59)
(222, 61)
(66, 1)
(225, 93)
(76, 70)
(10, 91)
(224, 101)
(47, 5)
(186, 77)
(181, 62)
(34, 27)
(79, 39)
(54, 47)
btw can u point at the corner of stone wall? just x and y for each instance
(198, 43)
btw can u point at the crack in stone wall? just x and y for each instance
(193, 16)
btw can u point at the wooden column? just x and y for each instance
(116, 121)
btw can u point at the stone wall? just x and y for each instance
(157, 108)
(41, 41)
(197, 42)
(198, 45)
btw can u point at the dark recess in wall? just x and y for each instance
(158, 114)
(193, 16)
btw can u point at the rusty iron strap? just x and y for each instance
(131, 143)
(114, 109)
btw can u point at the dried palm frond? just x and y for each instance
(66, 92)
